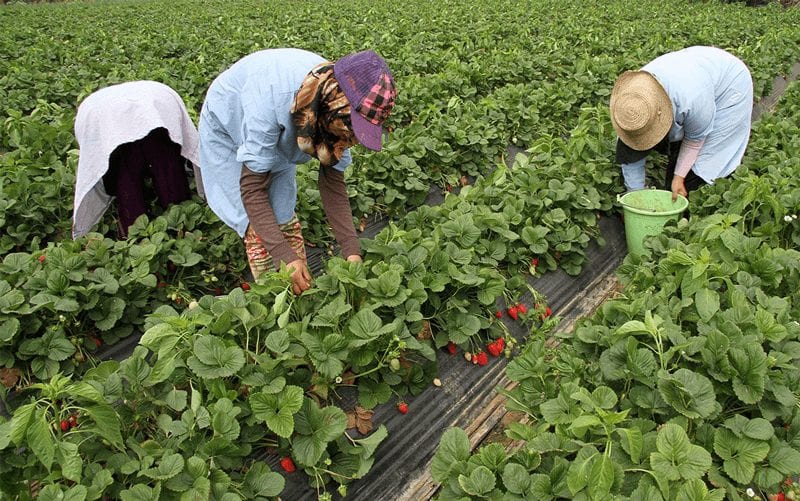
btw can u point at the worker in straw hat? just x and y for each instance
(693, 105)
(272, 110)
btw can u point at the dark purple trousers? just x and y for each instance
(156, 157)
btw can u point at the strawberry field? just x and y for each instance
(150, 368)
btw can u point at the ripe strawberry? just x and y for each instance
(217, 291)
(780, 497)
(451, 348)
(402, 407)
(494, 349)
(521, 308)
(72, 420)
(501, 342)
(474, 358)
(288, 465)
(547, 312)
(162, 284)
(483, 358)
(512, 312)
(535, 262)
(245, 286)
(498, 314)
(64, 425)
(97, 342)
(41, 258)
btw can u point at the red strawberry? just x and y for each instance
(41, 258)
(512, 312)
(402, 408)
(498, 314)
(535, 262)
(780, 497)
(97, 342)
(162, 284)
(494, 349)
(451, 348)
(547, 312)
(288, 465)
(475, 358)
(64, 425)
(178, 300)
(73, 421)
(217, 291)
(245, 286)
(521, 308)
(501, 342)
(483, 358)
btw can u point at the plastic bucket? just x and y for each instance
(646, 212)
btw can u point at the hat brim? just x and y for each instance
(367, 133)
(647, 83)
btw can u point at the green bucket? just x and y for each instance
(646, 212)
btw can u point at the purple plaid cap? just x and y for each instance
(369, 86)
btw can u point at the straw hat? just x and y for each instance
(641, 110)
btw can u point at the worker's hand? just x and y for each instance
(301, 277)
(354, 258)
(678, 188)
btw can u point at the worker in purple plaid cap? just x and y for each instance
(269, 112)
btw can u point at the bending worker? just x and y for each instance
(270, 111)
(694, 105)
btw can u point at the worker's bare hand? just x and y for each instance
(678, 188)
(301, 276)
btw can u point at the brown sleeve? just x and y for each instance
(255, 198)
(336, 203)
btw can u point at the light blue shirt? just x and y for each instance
(246, 120)
(712, 97)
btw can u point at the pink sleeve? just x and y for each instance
(687, 156)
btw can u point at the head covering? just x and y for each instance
(641, 110)
(368, 84)
(321, 113)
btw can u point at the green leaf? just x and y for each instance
(749, 363)
(689, 393)
(40, 439)
(277, 341)
(214, 359)
(106, 422)
(365, 324)
(739, 454)
(20, 423)
(169, 466)
(141, 492)
(330, 314)
(784, 459)
(260, 481)
(481, 481)
(370, 443)
(453, 449)
(632, 442)
(516, 479)
(315, 428)
(696, 490)
(176, 399)
(676, 457)
(759, 429)
(70, 461)
(601, 476)
(278, 410)
(707, 303)
(8, 329)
